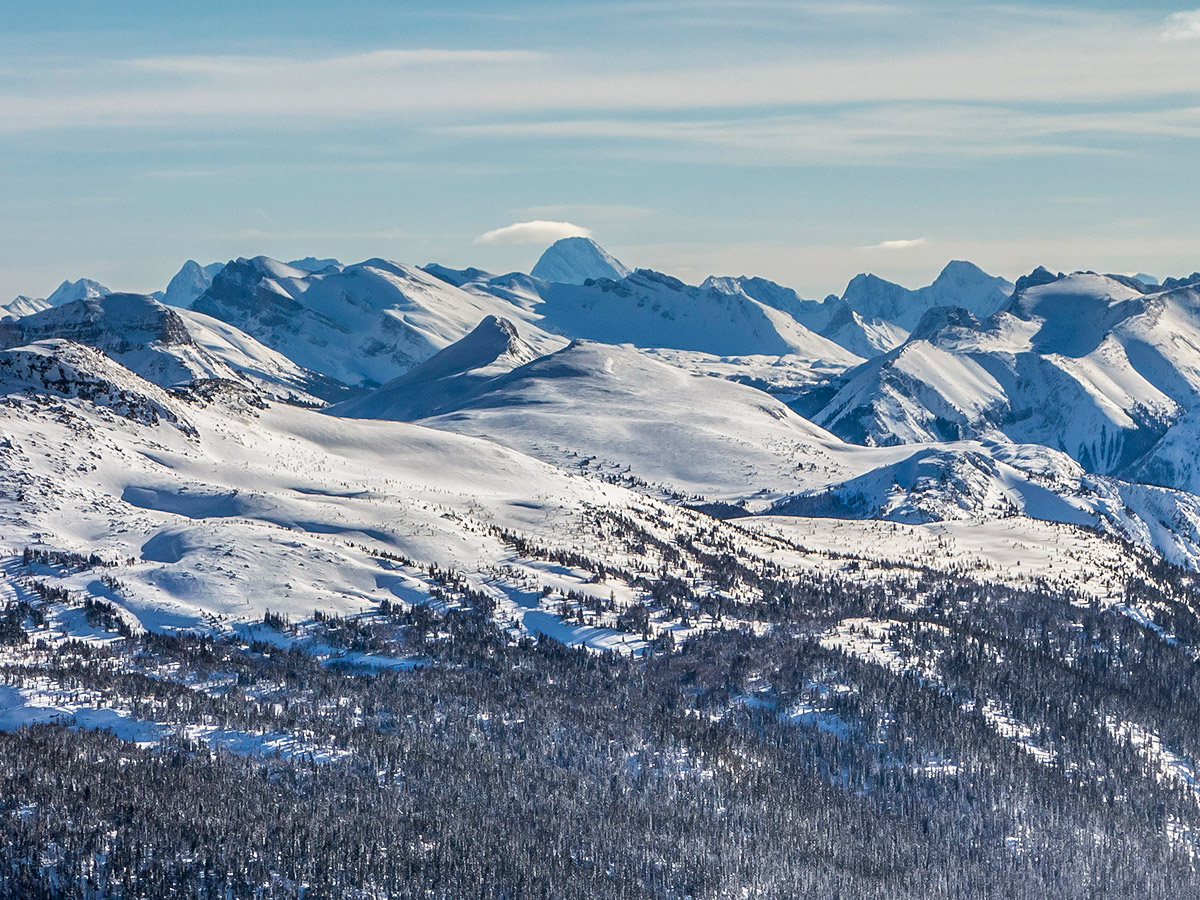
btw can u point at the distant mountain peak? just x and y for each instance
(1039, 276)
(960, 283)
(314, 264)
(939, 317)
(190, 282)
(83, 289)
(574, 260)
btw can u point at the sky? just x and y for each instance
(800, 141)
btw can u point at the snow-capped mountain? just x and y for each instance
(67, 292)
(167, 346)
(1098, 366)
(574, 260)
(866, 336)
(190, 282)
(650, 309)
(873, 315)
(617, 413)
(363, 324)
(368, 323)
(22, 306)
(81, 289)
(135, 330)
(960, 284)
(313, 264)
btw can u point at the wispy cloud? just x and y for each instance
(1047, 63)
(1182, 26)
(869, 133)
(903, 244)
(535, 232)
(375, 61)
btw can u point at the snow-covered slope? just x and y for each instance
(830, 318)
(363, 324)
(170, 346)
(866, 336)
(574, 260)
(216, 510)
(67, 292)
(267, 370)
(190, 282)
(613, 410)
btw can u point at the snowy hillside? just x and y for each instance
(447, 378)
(226, 508)
(611, 410)
(616, 413)
(169, 346)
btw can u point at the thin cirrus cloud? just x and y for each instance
(538, 231)
(867, 135)
(373, 61)
(446, 84)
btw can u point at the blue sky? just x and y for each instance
(802, 141)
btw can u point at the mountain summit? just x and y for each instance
(960, 284)
(574, 260)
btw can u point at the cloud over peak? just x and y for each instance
(538, 231)
(898, 245)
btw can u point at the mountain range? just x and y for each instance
(932, 554)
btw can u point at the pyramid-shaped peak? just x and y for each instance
(959, 270)
(190, 282)
(574, 260)
(492, 344)
(493, 337)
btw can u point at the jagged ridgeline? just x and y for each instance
(376, 580)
